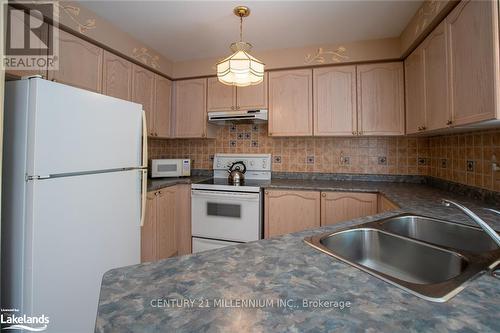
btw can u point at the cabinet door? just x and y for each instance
(117, 77)
(183, 219)
(80, 63)
(290, 103)
(40, 43)
(148, 230)
(385, 205)
(436, 79)
(473, 61)
(190, 101)
(415, 92)
(380, 99)
(252, 97)
(166, 236)
(220, 97)
(162, 106)
(343, 206)
(290, 211)
(335, 100)
(143, 93)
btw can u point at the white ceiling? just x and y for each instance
(186, 30)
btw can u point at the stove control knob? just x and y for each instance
(264, 164)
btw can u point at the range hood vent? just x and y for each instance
(240, 117)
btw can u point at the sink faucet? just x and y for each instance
(475, 218)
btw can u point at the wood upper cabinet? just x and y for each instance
(290, 211)
(380, 93)
(143, 93)
(167, 228)
(221, 97)
(117, 77)
(415, 91)
(80, 63)
(335, 100)
(162, 107)
(148, 230)
(290, 103)
(437, 111)
(190, 102)
(252, 97)
(343, 206)
(472, 29)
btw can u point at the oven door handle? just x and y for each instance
(230, 195)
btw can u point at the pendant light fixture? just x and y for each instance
(240, 69)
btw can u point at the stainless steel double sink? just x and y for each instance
(430, 258)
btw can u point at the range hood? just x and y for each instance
(245, 117)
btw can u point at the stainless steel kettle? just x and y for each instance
(237, 173)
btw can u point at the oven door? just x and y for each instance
(231, 216)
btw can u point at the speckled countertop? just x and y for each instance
(287, 269)
(159, 183)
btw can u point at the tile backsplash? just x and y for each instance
(463, 158)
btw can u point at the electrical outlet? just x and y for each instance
(470, 165)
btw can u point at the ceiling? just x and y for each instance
(187, 30)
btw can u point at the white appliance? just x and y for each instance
(248, 116)
(170, 168)
(224, 214)
(73, 197)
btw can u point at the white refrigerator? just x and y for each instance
(73, 198)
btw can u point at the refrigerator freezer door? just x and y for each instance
(72, 130)
(80, 227)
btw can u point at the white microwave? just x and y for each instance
(170, 168)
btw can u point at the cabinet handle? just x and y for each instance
(232, 107)
(449, 122)
(354, 133)
(424, 128)
(323, 195)
(237, 108)
(266, 192)
(203, 135)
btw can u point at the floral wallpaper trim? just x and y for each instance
(322, 56)
(142, 54)
(73, 12)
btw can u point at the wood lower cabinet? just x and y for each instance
(117, 77)
(167, 228)
(335, 101)
(473, 50)
(385, 205)
(290, 103)
(80, 63)
(290, 211)
(143, 93)
(190, 115)
(380, 93)
(343, 206)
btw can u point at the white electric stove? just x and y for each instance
(224, 214)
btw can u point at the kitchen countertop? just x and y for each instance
(285, 268)
(159, 183)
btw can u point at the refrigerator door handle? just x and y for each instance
(144, 140)
(144, 195)
(144, 167)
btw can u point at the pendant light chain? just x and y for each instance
(241, 28)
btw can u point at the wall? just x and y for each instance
(312, 154)
(443, 157)
(449, 155)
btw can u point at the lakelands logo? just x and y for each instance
(32, 44)
(23, 322)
